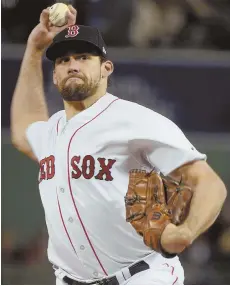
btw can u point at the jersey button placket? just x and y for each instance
(82, 247)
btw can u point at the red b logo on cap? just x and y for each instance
(72, 31)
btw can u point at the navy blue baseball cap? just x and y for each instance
(79, 39)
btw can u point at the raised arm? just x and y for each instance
(28, 104)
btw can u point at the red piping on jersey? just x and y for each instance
(71, 192)
(172, 272)
(58, 124)
(64, 223)
(175, 281)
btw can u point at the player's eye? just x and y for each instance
(83, 57)
(64, 59)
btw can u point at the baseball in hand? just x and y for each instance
(58, 14)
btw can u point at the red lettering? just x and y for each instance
(76, 173)
(72, 31)
(50, 167)
(47, 168)
(105, 169)
(42, 170)
(87, 169)
(88, 164)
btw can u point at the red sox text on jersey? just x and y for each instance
(80, 167)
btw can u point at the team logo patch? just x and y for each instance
(73, 31)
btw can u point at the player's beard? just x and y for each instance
(75, 91)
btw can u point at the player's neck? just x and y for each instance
(74, 107)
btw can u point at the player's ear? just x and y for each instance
(107, 69)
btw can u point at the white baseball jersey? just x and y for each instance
(83, 178)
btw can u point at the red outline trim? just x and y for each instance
(172, 272)
(175, 281)
(64, 222)
(71, 192)
(58, 124)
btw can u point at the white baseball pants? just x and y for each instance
(167, 272)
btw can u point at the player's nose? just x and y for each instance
(74, 66)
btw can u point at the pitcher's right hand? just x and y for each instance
(42, 35)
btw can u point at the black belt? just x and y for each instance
(134, 269)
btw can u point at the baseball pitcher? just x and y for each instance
(124, 191)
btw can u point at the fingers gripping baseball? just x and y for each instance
(61, 15)
(71, 16)
(44, 17)
(43, 34)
